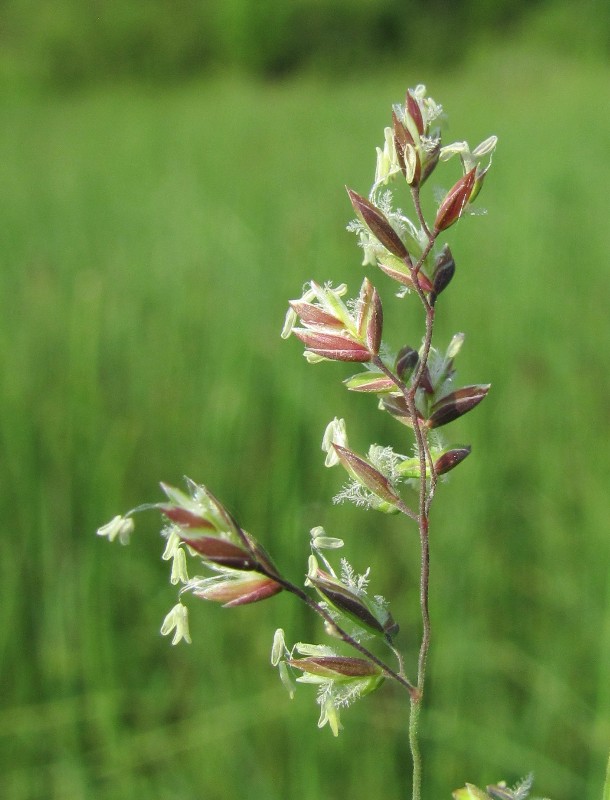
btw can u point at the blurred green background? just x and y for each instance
(171, 173)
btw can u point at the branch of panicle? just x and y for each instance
(342, 634)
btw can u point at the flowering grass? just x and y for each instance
(138, 228)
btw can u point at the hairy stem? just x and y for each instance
(414, 745)
(420, 214)
(427, 486)
(426, 492)
(425, 489)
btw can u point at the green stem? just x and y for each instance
(426, 492)
(414, 744)
(606, 795)
(420, 214)
(416, 700)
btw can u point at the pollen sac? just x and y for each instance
(455, 201)
(378, 224)
(412, 163)
(456, 404)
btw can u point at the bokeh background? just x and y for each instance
(171, 172)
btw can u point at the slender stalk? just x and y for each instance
(419, 212)
(416, 700)
(426, 492)
(427, 486)
(414, 745)
(425, 611)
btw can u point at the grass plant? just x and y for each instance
(131, 218)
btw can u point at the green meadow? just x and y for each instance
(150, 240)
